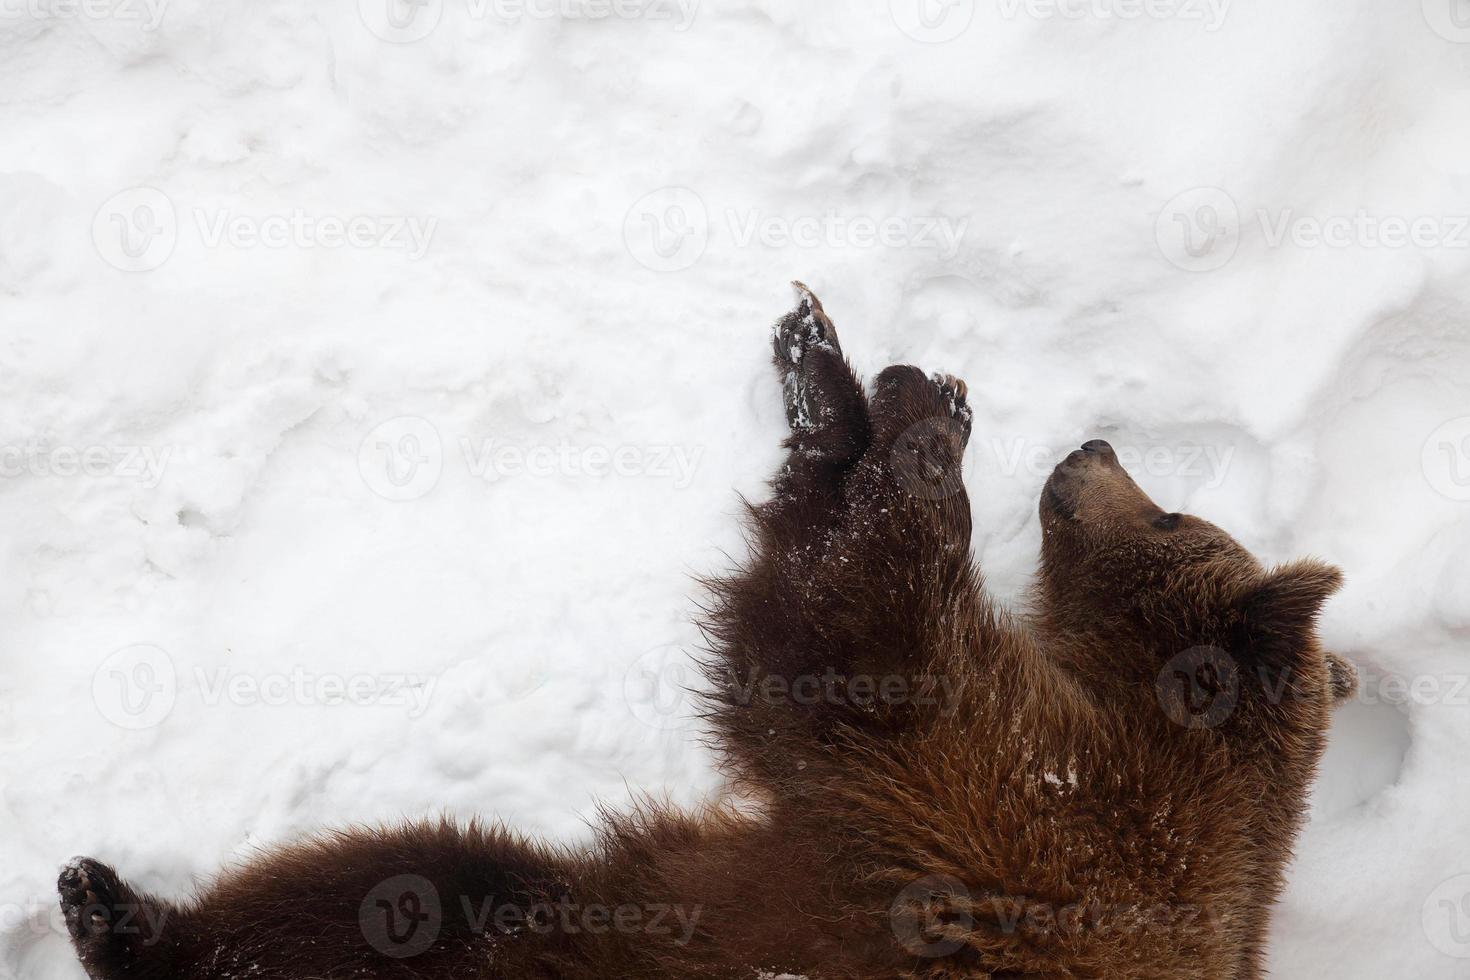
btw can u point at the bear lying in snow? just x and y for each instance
(932, 787)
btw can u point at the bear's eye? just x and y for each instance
(1166, 522)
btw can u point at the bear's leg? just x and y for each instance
(429, 899)
(825, 408)
(849, 625)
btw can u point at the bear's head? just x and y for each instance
(1116, 565)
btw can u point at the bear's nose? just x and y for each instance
(1097, 446)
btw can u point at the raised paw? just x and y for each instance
(921, 427)
(825, 405)
(803, 329)
(107, 921)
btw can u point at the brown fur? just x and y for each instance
(1108, 787)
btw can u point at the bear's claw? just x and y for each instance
(956, 398)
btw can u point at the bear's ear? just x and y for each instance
(1279, 611)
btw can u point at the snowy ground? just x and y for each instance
(376, 378)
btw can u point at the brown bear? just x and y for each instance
(930, 786)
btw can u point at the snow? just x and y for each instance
(374, 387)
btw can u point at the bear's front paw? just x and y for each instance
(805, 328)
(88, 895)
(107, 921)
